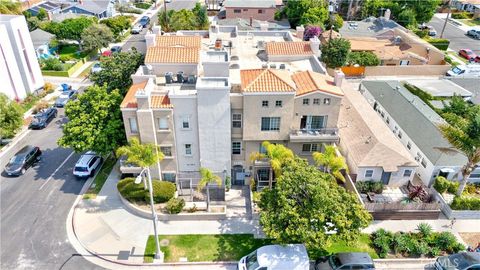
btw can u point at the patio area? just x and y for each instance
(388, 195)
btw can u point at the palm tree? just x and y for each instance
(463, 132)
(208, 177)
(143, 155)
(277, 154)
(330, 162)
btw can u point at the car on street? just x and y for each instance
(116, 49)
(459, 261)
(41, 119)
(432, 32)
(144, 21)
(137, 28)
(276, 257)
(474, 32)
(96, 68)
(64, 98)
(22, 160)
(465, 70)
(87, 165)
(345, 260)
(467, 54)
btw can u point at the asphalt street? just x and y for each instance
(458, 38)
(34, 206)
(138, 40)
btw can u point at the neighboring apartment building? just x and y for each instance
(211, 106)
(369, 147)
(415, 125)
(19, 70)
(263, 10)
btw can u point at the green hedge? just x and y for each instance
(439, 43)
(65, 73)
(369, 186)
(465, 203)
(162, 191)
(462, 15)
(175, 205)
(443, 185)
(143, 5)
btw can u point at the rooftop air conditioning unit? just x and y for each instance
(180, 77)
(273, 65)
(282, 66)
(168, 77)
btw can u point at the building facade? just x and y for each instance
(19, 69)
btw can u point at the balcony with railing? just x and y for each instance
(128, 167)
(314, 135)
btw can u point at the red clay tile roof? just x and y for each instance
(130, 101)
(289, 48)
(189, 55)
(180, 41)
(266, 80)
(309, 81)
(160, 102)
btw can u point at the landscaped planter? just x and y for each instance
(201, 214)
(64, 73)
(458, 214)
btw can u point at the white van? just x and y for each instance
(276, 257)
(464, 70)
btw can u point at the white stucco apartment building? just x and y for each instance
(19, 70)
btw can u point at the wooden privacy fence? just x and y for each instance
(398, 206)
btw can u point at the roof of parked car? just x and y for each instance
(292, 257)
(85, 158)
(354, 257)
(25, 150)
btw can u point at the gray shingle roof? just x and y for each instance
(40, 37)
(416, 119)
(250, 3)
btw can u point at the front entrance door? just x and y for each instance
(238, 174)
(386, 177)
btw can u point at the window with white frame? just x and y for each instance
(407, 173)
(278, 103)
(316, 101)
(188, 149)
(310, 147)
(166, 150)
(237, 120)
(368, 173)
(326, 101)
(264, 103)
(133, 125)
(236, 148)
(170, 177)
(306, 101)
(163, 123)
(270, 124)
(185, 122)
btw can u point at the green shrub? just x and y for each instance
(175, 205)
(66, 57)
(256, 196)
(228, 183)
(465, 203)
(403, 243)
(382, 240)
(425, 229)
(51, 63)
(48, 88)
(445, 241)
(369, 186)
(363, 59)
(442, 185)
(462, 15)
(253, 185)
(434, 252)
(439, 43)
(131, 191)
(143, 5)
(163, 191)
(453, 187)
(471, 188)
(420, 248)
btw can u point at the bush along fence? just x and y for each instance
(466, 206)
(439, 43)
(71, 70)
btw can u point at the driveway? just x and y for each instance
(458, 38)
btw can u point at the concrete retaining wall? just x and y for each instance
(165, 217)
(457, 214)
(419, 70)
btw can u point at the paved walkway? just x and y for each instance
(79, 71)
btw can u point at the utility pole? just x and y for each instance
(165, 13)
(446, 19)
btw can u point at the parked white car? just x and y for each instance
(96, 68)
(87, 165)
(276, 257)
(137, 28)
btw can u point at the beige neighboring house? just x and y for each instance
(235, 98)
(371, 150)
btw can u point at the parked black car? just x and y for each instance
(64, 98)
(144, 21)
(23, 159)
(41, 119)
(345, 260)
(116, 49)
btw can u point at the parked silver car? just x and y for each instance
(475, 33)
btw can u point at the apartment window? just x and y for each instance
(166, 150)
(278, 103)
(316, 101)
(475, 175)
(400, 134)
(368, 173)
(245, 9)
(170, 177)
(270, 124)
(409, 145)
(163, 123)
(237, 120)
(424, 163)
(310, 147)
(237, 11)
(407, 173)
(236, 148)
(264, 103)
(262, 149)
(313, 122)
(188, 149)
(306, 101)
(388, 120)
(185, 122)
(326, 101)
(133, 125)
(261, 11)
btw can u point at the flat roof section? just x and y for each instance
(440, 88)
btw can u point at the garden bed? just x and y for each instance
(465, 206)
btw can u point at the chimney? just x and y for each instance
(338, 79)
(315, 45)
(251, 21)
(387, 14)
(150, 39)
(157, 29)
(300, 32)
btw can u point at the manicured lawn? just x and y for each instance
(100, 179)
(470, 22)
(205, 247)
(229, 247)
(71, 50)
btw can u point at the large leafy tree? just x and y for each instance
(404, 11)
(200, 13)
(117, 70)
(306, 12)
(95, 121)
(117, 24)
(183, 19)
(96, 36)
(208, 177)
(306, 205)
(70, 29)
(11, 117)
(331, 162)
(363, 59)
(463, 132)
(143, 155)
(335, 52)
